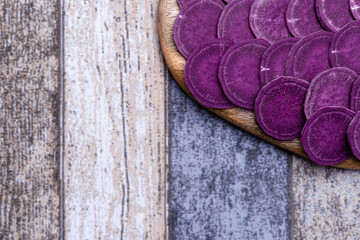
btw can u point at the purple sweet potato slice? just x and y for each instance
(201, 74)
(334, 14)
(234, 21)
(196, 25)
(355, 96)
(345, 47)
(355, 8)
(309, 56)
(330, 88)
(267, 20)
(279, 107)
(324, 136)
(353, 135)
(183, 3)
(239, 72)
(274, 59)
(301, 18)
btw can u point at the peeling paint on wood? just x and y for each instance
(326, 202)
(29, 120)
(115, 124)
(225, 183)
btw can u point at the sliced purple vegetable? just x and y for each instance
(267, 20)
(353, 135)
(324, 135)
(309, 56)
(183, 3)
(345, 47)
(196, 25)
(234, 21)
(279, 108)
(239, 72)
(355, 96)
(330, 88)
(201, 74)
(301, 18)
(355, 8)
(274, 59)
(334, 14)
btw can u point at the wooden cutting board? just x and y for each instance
(243, 118)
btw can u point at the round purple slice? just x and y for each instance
(201, 74)
(309, 56)
(345, 47)
(334, 14)
(234, 21)
(239, 72)
(301, 18)
(355, 8)
(183, 3)
(196, 25)
(274, 59)
(355, 96)
(267, 20)
(279, 107)
(353, 135)
(324, 135)
(330, 88)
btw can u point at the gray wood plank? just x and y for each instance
(325, 202)
(29, 119)
(225, 183)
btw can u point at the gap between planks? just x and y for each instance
(61, 119)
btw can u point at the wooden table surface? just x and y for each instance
(98, 142)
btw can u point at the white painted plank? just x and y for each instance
(115, 121)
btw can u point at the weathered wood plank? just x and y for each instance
(115, 121)
(225, 183)
(326, 202)
(29, 119)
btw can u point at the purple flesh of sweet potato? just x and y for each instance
(355, 8)
(355, 96)
(234, 21)
(239, 72)
(309, 56)
(353, 135)
(183, 3)
(267, 20)
(324, 136)
(196, 25)
(201, 74)
(330, 88)
(279, 108)
(301, 18)
(345, 47)
(334, 14)
(274, 59)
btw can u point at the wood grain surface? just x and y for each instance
(245, 119)
(29, 120)
(100, 171)
(114, 130)
(225, 183)
(325, 202)
(115, 121)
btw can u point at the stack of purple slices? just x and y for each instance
(294, 62)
